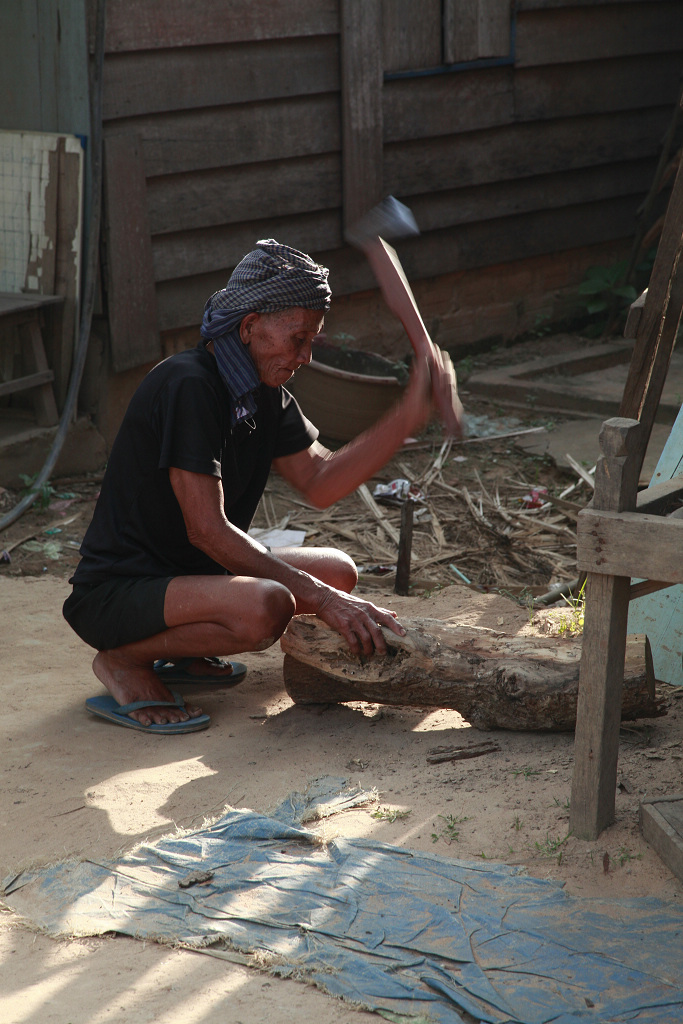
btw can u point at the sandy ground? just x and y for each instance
(73, 786)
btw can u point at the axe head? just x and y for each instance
(389, 219)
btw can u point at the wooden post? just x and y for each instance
(131, 295)
(405, 547)
(598, 715)
(658, 323)
(361, 86)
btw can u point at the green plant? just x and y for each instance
(464, 367)
(564, 806)
(526, 771)
(542, 326)
(572, 624)
(450, 832)
(550, 847)
(603, 284)
(390, 814)
(517, 825)
(45, 492)
(625, 855)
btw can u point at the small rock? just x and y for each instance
(195, 878)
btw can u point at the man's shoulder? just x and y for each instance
(194, 364)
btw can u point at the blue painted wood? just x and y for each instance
(660, 615)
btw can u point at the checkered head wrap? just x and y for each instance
(271, 278)
(274, 277)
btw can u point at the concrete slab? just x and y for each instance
(579, 438)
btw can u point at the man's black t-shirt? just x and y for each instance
(180, 417)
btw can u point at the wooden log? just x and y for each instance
(495, 681)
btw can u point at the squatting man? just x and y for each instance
(168, 575)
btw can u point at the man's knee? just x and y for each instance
(345, 569)
(270, 615)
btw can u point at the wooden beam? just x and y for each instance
(250, 192)
(596, 745)
(156, 81)
(656, 498)
(645, 587)
(512, 151)
(548, 5)
(195, 252)
(147, 26)
(42, 395)
(633, 82)
(67, 263)
(635, 312)
(597, 32)
(177, 142)
(423, 107)
(131, 299)
(434, 105)
(475, 29)
(361, 67)
(411, 34)
(658, 325)
(630, 544)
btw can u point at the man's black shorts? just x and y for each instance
(120, 611)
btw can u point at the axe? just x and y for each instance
(391, 219)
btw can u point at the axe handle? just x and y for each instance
(399, 298)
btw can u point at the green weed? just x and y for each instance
(526, 772)
(625, 856)
(450, 832)
(390, 814)
(552, 847)
(45, 492)
(572, 623)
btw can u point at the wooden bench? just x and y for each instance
(26, 314)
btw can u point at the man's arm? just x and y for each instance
(201, 500)
(323, 477)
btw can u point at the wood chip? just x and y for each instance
(439, 754)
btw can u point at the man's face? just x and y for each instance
(279, 343)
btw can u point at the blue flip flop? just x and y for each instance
(106, 707)
(175, 671)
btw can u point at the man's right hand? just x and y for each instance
(358, 621)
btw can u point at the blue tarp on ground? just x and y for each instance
(396, 930)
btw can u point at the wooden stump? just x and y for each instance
(495, 681)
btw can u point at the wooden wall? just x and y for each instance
(237, 119)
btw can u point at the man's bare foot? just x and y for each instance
(129, 682)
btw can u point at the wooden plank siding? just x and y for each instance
(152, 24)
(247, 125)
